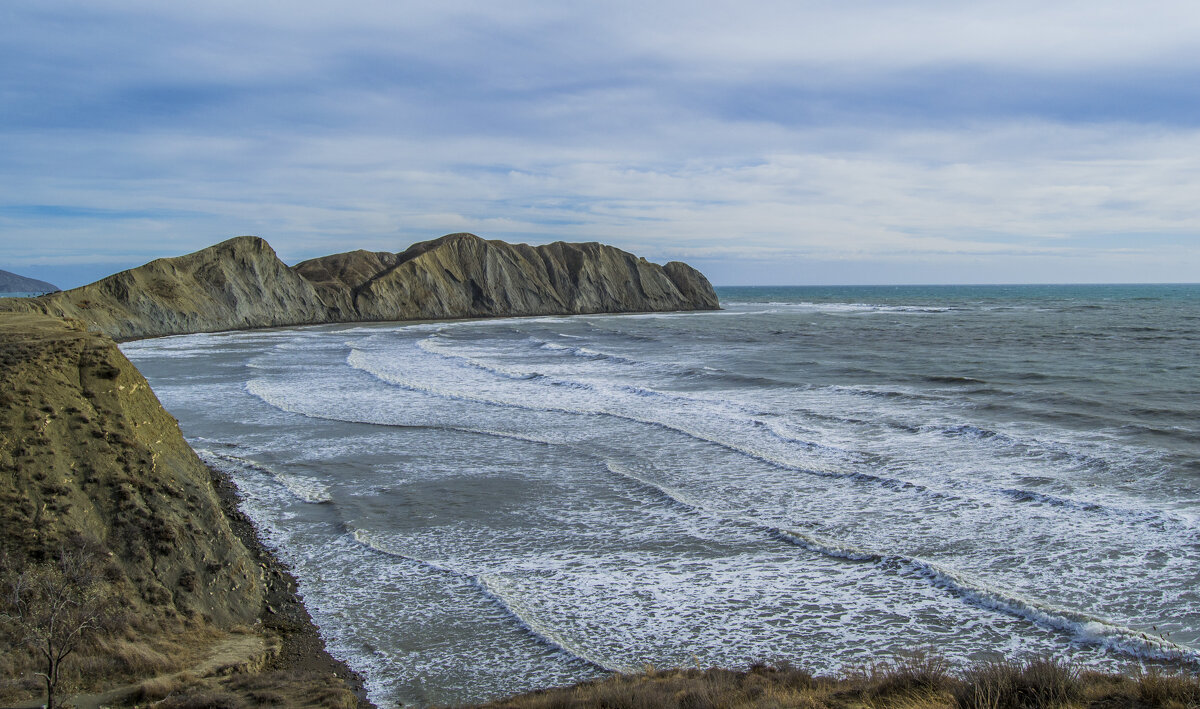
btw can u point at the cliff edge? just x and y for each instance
(241, 283)
(92, 465)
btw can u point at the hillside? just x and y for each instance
(91, 464)
(12, 283)
(241, 283)
(462, 275)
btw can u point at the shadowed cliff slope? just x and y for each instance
(241, 283)
(462, 275)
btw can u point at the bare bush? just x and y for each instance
(53, 607)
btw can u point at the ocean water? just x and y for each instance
(831, 476)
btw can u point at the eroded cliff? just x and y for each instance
(241, 283)
(462, 275)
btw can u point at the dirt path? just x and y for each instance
(234, 652)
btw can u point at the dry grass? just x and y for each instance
(159, 688)
(278, 689)
(1158, 688)
(922, 682)
(121, 657)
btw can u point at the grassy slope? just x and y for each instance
(89, 459)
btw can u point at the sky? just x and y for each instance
(799, 142)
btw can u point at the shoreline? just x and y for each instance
(283, 613)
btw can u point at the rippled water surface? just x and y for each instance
(824, 475)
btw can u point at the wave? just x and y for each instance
(880, 393)
(1034, 447)
(819, 465)
(1151, 517)
(1081, 627)
(259, 389)
(1038, 448)
(304, 489)
(493, 588)
(967, 430)
(776, 430)
(430, 345)
(584, 352)
(951, 379)
(846, 307)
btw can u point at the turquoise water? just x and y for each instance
(831, 476)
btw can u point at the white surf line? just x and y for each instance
(253, 387)
(490, 587)
(1080, 626)
(304, 489)
(356, 360)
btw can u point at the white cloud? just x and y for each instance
(675, 129)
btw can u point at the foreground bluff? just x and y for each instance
(89, 458)
(241, 283)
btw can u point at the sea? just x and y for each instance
(832, 477)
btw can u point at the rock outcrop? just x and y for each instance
(12, 283)
(241, 283)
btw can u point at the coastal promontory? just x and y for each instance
(241, 283)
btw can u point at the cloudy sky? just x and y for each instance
(799, 142)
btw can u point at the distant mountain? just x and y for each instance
(12, 283)
(241, 283)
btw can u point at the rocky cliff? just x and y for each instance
(462, 275)
(241, 283)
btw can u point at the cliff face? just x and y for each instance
(461, 275)
(88, 455)
(338, 277)
(241, 283)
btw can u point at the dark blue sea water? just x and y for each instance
(831, 476)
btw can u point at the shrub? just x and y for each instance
(919, 674)
(1158, 688)
(1008, 685)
